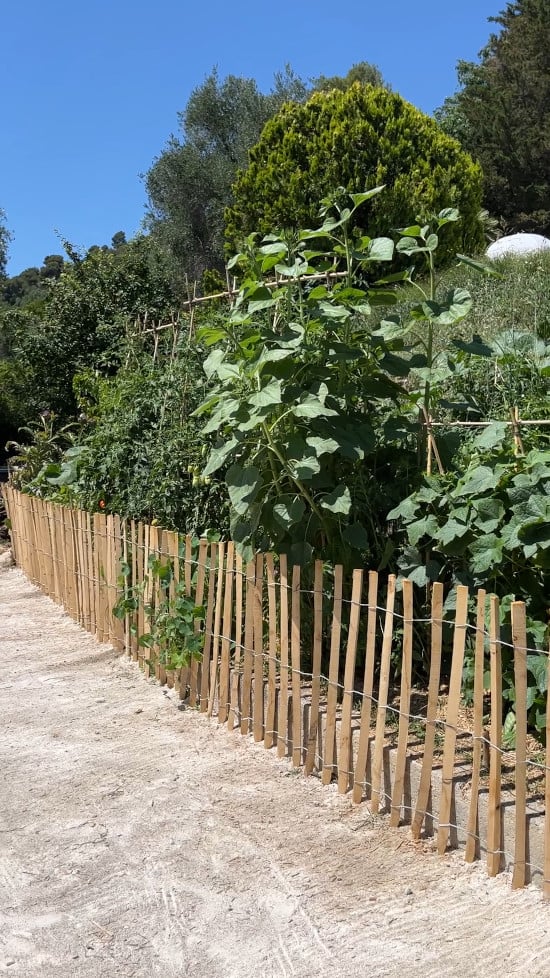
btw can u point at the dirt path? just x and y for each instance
(137, 839)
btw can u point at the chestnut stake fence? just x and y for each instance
(305, 668)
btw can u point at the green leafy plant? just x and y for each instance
(175, 637)
(39, 454)
(297, 378)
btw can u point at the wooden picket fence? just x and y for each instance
(305, 667)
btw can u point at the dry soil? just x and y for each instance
(140, 839)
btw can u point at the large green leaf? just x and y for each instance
(219, 455)
(538, 667)
(426, 527)
(289, 510)
(338, 501)
(489, 513)
(311, 407)
(485, 554)
(450, 531)
(244, 484)
(381, 249)
(493, 435)
(322, 446)
(478, 481)
(267, 396)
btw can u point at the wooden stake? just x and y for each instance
(519, 638)
(282, 719)
(472, 842)
(404, 705)
(223, 705)
(431, 713)
(453, 704)
(270, 731)
(366, 706)
(248, 652)
(316, 667)
(333, 672)
(205, 671)
(258, 703)
(378, 755)
(217, 626)
(345, 772)
(296, 673)
(494, 855)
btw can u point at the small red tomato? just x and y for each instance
(102, 504)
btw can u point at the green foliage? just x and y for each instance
(300, 377)
(363, 73)
(83, 322)
(361, 136)
(39, 455)
(143, 449)
(5, 238)
(189, 184)
(501, 115)
(176, 637)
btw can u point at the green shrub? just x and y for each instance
(362, 137)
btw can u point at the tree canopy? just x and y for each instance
(5, 238)
(356, 139)
(501, 114)
(189, 184)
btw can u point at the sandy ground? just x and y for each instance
(140, 839)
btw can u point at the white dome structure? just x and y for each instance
(518, 244)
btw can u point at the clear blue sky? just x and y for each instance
(92, 90)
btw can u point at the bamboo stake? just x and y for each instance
(235, 675)
(223, 704)
(431, 713)
(404, 705)
(270, 720)
(316, 666)
(217, 626)
(296, 674)
(493, 827)
(258, 702)
(282, 720)
(205, 671)
(141, 573)
(332, 696)
(519, 638)
(378, 755)
(199, 599)
(455, 686)
(248, 652)
(472, 842)
(345, 772)
(366, 706)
